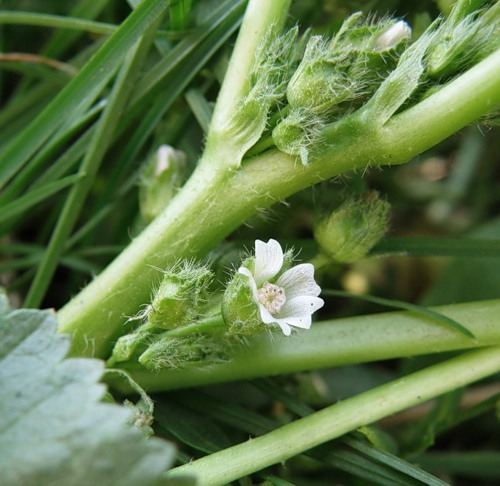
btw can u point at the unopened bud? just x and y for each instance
(296, 134)
(350, 232)
(181, 296)
(130, 346)
(193, 350)
(164, 173)
(395, 34)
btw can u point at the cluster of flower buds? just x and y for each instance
(182, 329)
(466, 37)
(180, 300)
(336, 75)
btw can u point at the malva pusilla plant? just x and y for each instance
(196, 298)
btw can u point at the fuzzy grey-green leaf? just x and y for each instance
(53, 427)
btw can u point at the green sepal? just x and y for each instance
(129, 346)
(239, 309)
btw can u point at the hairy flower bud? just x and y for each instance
(181, 296)
(130, 346)
(297, 133)
(349, 233)
(193, 350)
(163, 174)
(395, 34)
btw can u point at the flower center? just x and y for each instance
(272, 297)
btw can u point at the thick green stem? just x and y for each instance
(341, 342)
(260, 17)
(212, 205)
(175, 234)
(467, 98)
(332, 422)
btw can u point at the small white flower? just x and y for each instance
(393, 36)
(292, 298)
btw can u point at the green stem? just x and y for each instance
(340, 418)
(212, 204)
(467, 98)
(341, 342)
(260, 17)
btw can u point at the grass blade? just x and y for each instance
(398, 304)
(35, 196)
(100, 142)
(82, 89)
(422, 246)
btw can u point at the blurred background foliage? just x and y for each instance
(443, 203)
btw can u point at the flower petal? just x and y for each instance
(304, 322)
(268, 260)
(298, 281)
(268, 318)
(253, 285)
(300, 306)
(265, 315)
(287, 330)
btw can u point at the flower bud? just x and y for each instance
(187, 351)
(464, 38)
(296, 134)
(350, 232)
(163, 174)
(181, 296)
(395, 34)
(130, 346)
(318, 83)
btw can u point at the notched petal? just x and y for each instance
(298, 281)
(268, 260)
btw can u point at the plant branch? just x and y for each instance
(341, 342)
(340, 418)
(260, 17)
(201, 214)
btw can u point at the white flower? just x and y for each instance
(292, 298)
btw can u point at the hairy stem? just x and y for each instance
(341, 342)
(213, 203)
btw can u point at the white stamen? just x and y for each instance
(272, 297)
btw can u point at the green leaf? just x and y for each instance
(482, 464)
(53, 427)
(398, 304)
(191, 428)
(34, 197)
(179, 14)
